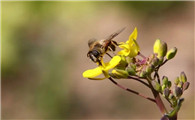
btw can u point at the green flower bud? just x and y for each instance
(149, 69)
(155, 61)
(163, 87)
(142, 74)
(123, 63)
(131, 71)
(120, 73)
(183, 77)
(171, 53)
(113, 75)
(178, 91)
(160, 48)
(160, 60)
(165, 80)
(173, 99)
(176, 108)
(186, 85)
(180, 84)
(133, 66)
(169, 84)
(166, 92)
(129, 60)
(171, 96)
(176, 81)
(156, 86)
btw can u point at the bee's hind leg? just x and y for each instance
(109, 55)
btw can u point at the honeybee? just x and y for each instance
(97, 48)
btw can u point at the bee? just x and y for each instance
(97, 48)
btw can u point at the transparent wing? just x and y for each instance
(114, 34)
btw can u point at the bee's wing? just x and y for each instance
(91, 41)
(114, 34)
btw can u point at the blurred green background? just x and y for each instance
(44, 47)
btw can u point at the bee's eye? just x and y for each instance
(95, 53)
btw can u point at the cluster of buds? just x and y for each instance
(180, 85)
(174, 96)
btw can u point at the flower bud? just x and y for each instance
(142, 74)
(156, 86)
(131, 71)
(180, 84)
(178, 91)
(186, 85)
(155, 61)
(166, 92)
(160, 60)
(169, 84)
(122, 64)
(129, 60)
(120, 73)
(171, 96)
(113, 75)
(149, 69)
(133, 66)
(165, 80)
(176, 81)
(163, 87)
(171, 53)
(160, 48)
(183, 77)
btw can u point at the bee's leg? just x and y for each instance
(114, 43)
(99, 62)
(112, 48)
(109, 55)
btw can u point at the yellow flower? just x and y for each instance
(130, 48)
(93, 73)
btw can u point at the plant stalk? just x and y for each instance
(158, 100)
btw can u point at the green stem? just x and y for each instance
(158, 100)
(137, 79)
(132, 91)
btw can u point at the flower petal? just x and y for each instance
(124, 52)
(92, 72)
(133, 35)
(134, 49)
(124, 46)
(113, 62)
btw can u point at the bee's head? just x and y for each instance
(94, 55)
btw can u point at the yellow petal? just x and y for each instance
(133, 35)
(121, 43)
(124, 46)
(124, 52)
(136, 45)
(134, 51)
(113, 62)
(92, 72)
